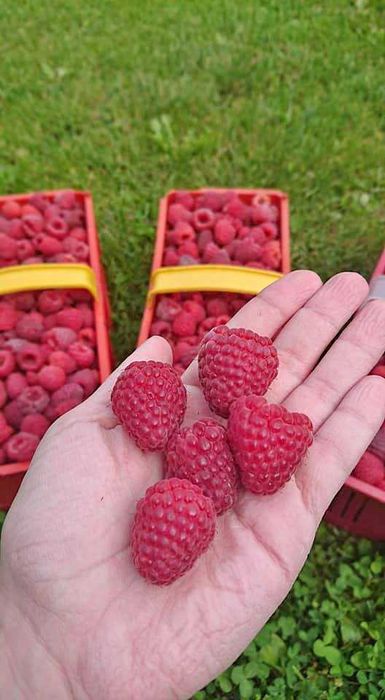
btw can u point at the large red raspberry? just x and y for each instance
(149, 400)
(167, 309)
(177, 212)
(217, 306)
(203, 218)
(57, 227)
(11, 210)
(370, 468)
(59, 358)
(35, 423)
(79, 233)
(170, 257)
(184, 324)
(29, 328)
(15, 384)
(5, 429)
(234, 362)
(7, 363)
(195, 309)
(30, 357)
(48, 245)
(8, 316)
(66, 199)
(185, 198)
(51, 301)
(271, 255)
(173, 525)
(51, 377)
(183, 232)
(224, 231)
(21, 447)
(32, 224)
(210, 199)
(82, 353)
(33, 399)
(87, 378)
(24, 249)
(24, 301)
(8, 247)
(16, 229)
(201, 454)
(70, 317)
(268, 442)
(13, 415)
(59, 338)
(204, 238)
(87, 315)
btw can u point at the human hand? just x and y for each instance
(78, 620)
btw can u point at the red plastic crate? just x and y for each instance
(11, 475)
(360, 507)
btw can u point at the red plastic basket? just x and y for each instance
(360, 507)
(11, 475)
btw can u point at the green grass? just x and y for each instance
(130, 99)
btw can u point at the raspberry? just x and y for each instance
(5, 429)
(210, 252)
(237, 209)
(221, 258)
(194, 309)
(87, 315)
(80, 250)
(65, 199)
(28, 209)
(224, 232)
(35, 423)
(210, 200)
(15, 344)
(59, 338)
(173, 526)
(63, 258)
(32, 224)
(29, 328)
(32, 378)
(271, 255)
(187, 260)
(48, 245)
(182, 233)
(33, 399)
(74, 218)
(30, 357)
(57, 227)
(149, 400)
(49, 322)
(270, 230)
(15, 229)
(268, 442)
(162, 328)
(51, 301)
(170, 257)
(216, 307)
(201, 454)
(51, 377)
(167, 309)
(8, 247)
(370, 468)
(202, 219)
(13, 415)
(177, 212)
(21, 447)
(8, 316)
(39, 202)
(15, 383)
(11, 210)
(263, 212)
(206, 325)
(88, 336)
(247, 250)
(3, 394)
(258, 235)
(5, 225)
(234, 362)
(72, 392)
(189, 248)
(189, 356)
(86, 378)
(184, 324)
(59, 358)
(70, 318)
(24, 301)
(184, 198)
(7, 363)
(182, 347)
(24, 249)
(82, 353)
(204, 238)
(80, 234)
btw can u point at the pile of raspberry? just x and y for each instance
(242, 442)
(220, 228)
(43, 230)
(48, 364)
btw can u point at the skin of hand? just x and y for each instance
(77, 620)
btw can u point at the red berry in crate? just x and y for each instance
(80, 234)
(86, 378)
(5, 225)
(51, 377)
(170, 257)
(59, 358)
(216, 306)
(194, 309)
(206, 325)
(65, 199)
(3, 394)
(177, 212)
(224, 231)
(24, 249)
(70, 317)
(28, 209)
(247, 250)
(87, 314)
(21, 447)
(8, 247)
(34, 260)
(49, 322)
(149, 400)
(201, 454)
(13, 415)
(30, 357)
(258, 235)
(16, 229)
(24, 301)
(263, 212)
(173, 526)
(370, 469)
(39, 202)
(59, 338)
(87, 335)
(80, 251)
(48, 245)
(184, 198)
(32, 224)
(162, 328)
(187, 260)
(234, 362)
(33, 399)
(63, 258)
(11, 210)
(267, 441)
(211, 199)
(14, 344)
(7, 362)
(65, 399)
(189, 248)
(184, 324)
(29, 328)
(204, 238)
(182, 347)
(270, 230)
(35, 423)
(189, 356)
(222, 320)
(57, 227)
(271, 255)
(221, 258)
(82, 353)
(15, 384)
(210, 252)
(51, 301)
(31, 377)
(167, 309)
(202, 219)
(5, 429)
(8, 316)
(236, 208)
(182, 233)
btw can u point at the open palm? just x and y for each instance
(96, 629)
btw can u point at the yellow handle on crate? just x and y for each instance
(26, 278)
(210, 278)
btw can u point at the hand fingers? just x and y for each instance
(340, 443)
(304, 338)
(351, 357)
(271, 309)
